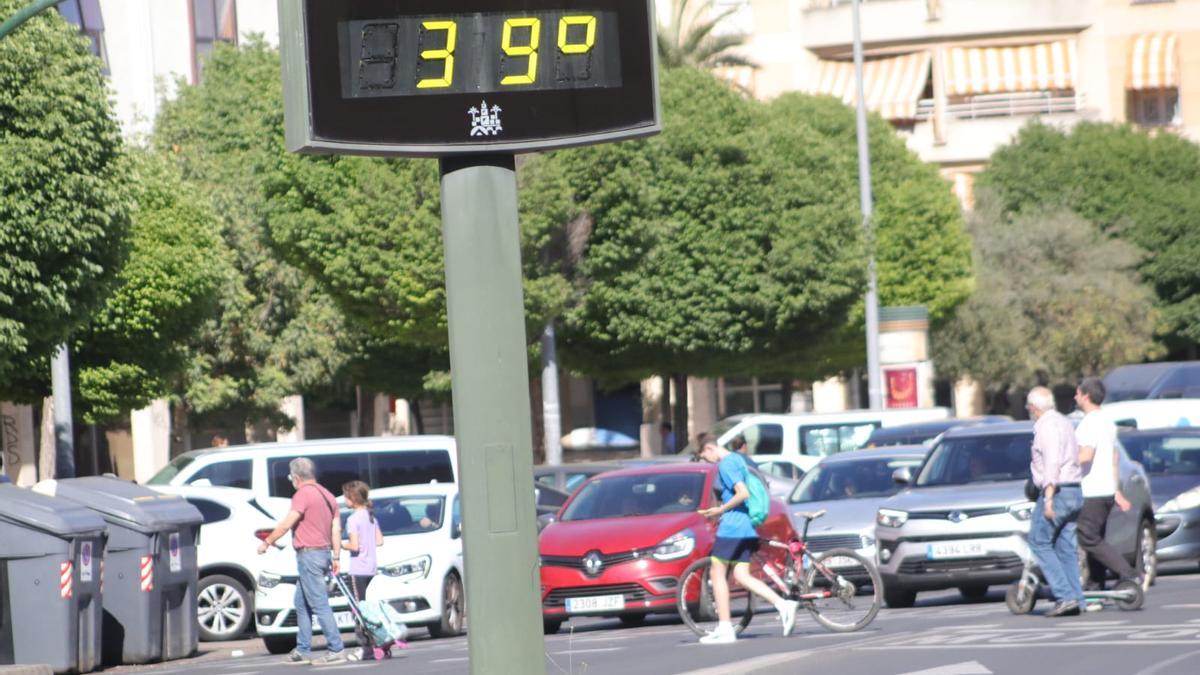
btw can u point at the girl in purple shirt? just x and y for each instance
(364, 536)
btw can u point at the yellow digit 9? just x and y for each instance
(447, 54)
(529, 50)
(565, 23)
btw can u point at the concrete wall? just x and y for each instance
(17, 444)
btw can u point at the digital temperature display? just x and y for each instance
(431, 78)
(480, 53)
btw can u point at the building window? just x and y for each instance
(213, 21)
(750, 395)
(1155, 107)
(86, 15)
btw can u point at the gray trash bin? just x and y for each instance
(50, 578)
(150, 563)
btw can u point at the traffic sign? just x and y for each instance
(446, 77)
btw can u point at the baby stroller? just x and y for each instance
(377, 622)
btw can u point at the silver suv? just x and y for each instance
(963, 519)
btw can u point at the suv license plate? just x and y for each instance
(599, 603)
(954, 549)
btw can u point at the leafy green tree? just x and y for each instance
(64, 195)
(1055, 300)
(275, 333)
(709, 254)
(139, 343)
(688, 39)
(1141, 187)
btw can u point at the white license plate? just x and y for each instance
(955, 549)
(599, 603)
(839, 561)
(340, 618)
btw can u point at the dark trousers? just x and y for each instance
(1093, 519)
(358, 586)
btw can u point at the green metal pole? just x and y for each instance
(24, 14)
(490, 375)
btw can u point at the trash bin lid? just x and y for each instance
(125, 503)
(48, 514)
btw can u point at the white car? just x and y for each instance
(420, 568)
(783, 473)
(234, 525)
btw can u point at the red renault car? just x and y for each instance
(624, 538)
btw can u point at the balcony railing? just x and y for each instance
(1006, 105)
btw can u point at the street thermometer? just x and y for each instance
(473, 82)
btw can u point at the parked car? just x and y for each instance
(850, 487)
(807, 437)
(783, 474)
(547, 501)
(1168, 379)
(1154, 413)
(567, 477)
(625, 537)
(963, 519)
(420, 569)
(1171, 457)
(925, 432)
(227, 557)
(263, 468)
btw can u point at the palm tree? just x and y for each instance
(693, 43)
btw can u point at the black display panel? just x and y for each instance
(435, 77)
(479, 53)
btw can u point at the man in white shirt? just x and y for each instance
(1096, 437)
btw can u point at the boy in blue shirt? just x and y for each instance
(737, 540)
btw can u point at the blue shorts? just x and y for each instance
(734, 550)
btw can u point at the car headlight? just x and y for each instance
(409, 570)
(891, 517)
(1183, 501)
(679, 545)
(268, 580)
(1022, 511)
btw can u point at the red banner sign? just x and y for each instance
(901, 388)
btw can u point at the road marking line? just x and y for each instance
(1183, 606)
(594, 650)
(1009, 645)
(450, 660)
(964, 668)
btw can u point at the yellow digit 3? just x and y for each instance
(447, 54)
(565, 23)
(529, 50)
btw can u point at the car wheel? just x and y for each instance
(1147, 555)
(899, 599)
(633, 620)
(453, 609)
(223, 607)
(551, 626)
(973, 593)
(279, 644)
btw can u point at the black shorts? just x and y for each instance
(734, 550)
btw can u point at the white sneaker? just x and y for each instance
(787, 614)
(720, 636)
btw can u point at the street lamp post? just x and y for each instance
(874, 388)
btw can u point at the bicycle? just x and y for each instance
(828, 584)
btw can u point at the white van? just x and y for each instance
(807, 437)
(1155, 413)
(262, 468)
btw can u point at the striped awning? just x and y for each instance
(891, 85)
(1154, 61)
(997, 70)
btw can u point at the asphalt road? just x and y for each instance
(942, 635)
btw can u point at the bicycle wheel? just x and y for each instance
(694, 600)
(848, 573)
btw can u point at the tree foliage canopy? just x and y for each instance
(64, 192)
(732, 242)
(1055, 300)
(1138, 186)
(276, 333)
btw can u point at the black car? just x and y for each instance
(923, 432)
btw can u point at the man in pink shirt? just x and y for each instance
(317, 536)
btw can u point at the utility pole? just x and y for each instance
(874, 387)
(551, 412)
(64, 429)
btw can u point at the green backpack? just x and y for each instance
(759, 503)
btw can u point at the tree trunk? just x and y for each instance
(681, 412)
(181, 432)
(414, 407)
(666, 414)
(785, 393)
(536, 424)
(47, 446)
